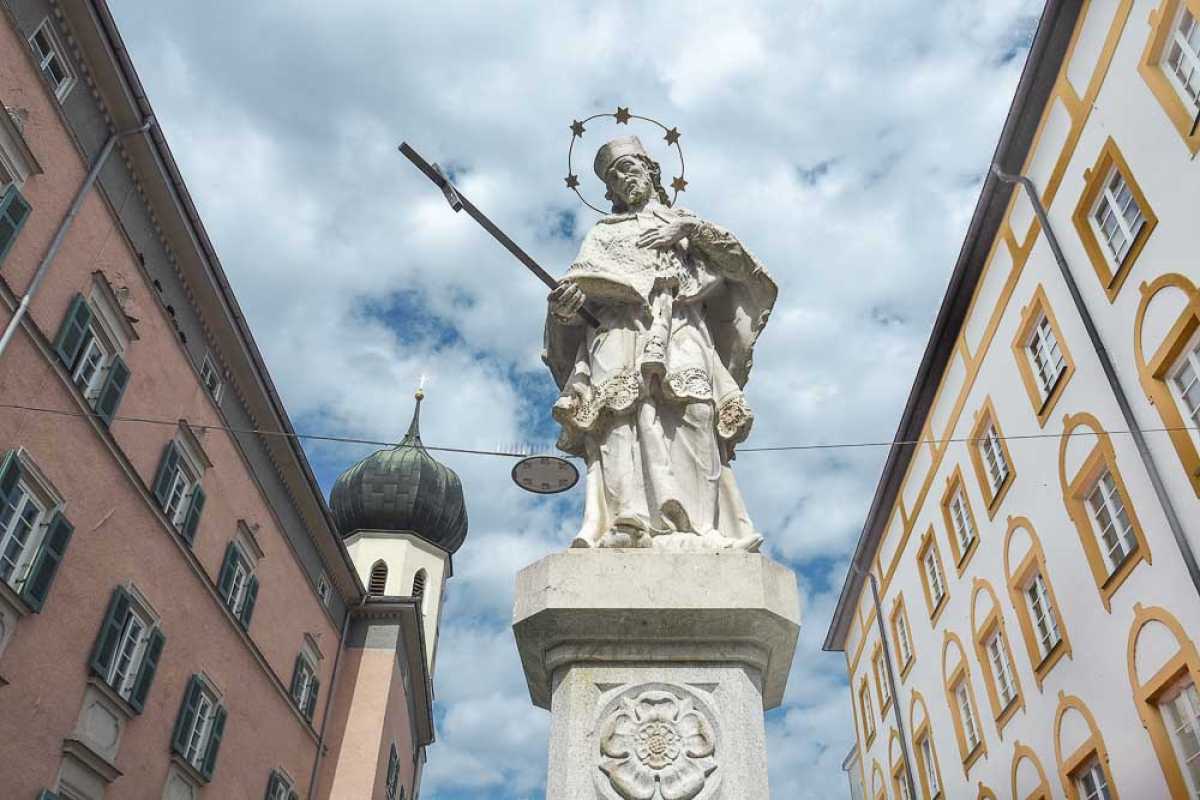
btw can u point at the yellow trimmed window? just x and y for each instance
(868, 714)
(1170, 65)
(993, 463)
(899, 784)
(1042, 357)
(902, 635)
(927, 765)
(995, 655)
(1090, 781)
(960, 521)
(881, 680)
(933, 576)
(1113, 218)
(1038, 612)
(970, 739)
(1180, 710)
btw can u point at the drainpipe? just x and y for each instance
(64, 226)
(891, 679)
(1139, 438)
(337, 660)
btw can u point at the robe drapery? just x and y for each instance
(652, 398)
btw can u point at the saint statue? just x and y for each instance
(652, 398)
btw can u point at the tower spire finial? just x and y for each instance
(413, 437)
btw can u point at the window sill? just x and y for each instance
(191, 773)
(994, 502)
(907, 668)
(9, 597)
(1008, 712)
(938, 609)
(91, 760)
(974, 755)
(966, 557)
(120, 704)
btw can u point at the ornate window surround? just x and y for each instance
(984, 629)
(1112, 276)
(986, 417)
(1075, 490)
(1093, 746)
(900, 611)
(877, 667)
(920, 733)
(1021, 753)
(1031, 315)
(960, 675)
(1162, 22)
(1019, 578)
(929, 544)
(1155, 372)
(955, 484)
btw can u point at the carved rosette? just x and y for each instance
(657, 745)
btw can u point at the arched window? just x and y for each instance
(418, 589)
(378, 582)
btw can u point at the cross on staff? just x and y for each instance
(460, 203)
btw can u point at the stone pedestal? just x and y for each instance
(657, 668)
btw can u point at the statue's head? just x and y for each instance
(631, 176)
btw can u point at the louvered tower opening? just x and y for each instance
(418, 589)
(378, 582)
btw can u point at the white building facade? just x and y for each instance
(1033, 560)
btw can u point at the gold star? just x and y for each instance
(577, 129)
(679, 184)
(572, 181)
(623, 115)
(672, 136)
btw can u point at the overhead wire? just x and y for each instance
(524, 452)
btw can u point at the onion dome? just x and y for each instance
(402, 488)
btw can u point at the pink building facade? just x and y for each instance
(179, 616)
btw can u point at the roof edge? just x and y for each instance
(1049, 46)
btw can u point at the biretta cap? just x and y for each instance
(621, 146)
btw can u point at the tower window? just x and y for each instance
(418, 589)
(378, 582)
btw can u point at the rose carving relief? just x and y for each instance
(657, 745)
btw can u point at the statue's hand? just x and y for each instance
(566, 300)
(667, 234)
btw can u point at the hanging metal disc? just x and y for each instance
(545, 474)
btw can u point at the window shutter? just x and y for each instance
(112, 390)
(214, 743)
(14, 210)
(74, 331)
(225, 578)
(310, 706)
(166, 471)
(145, 676)
(10, 473)
(273, 785)
(50, 554)
(296, 678)
(293, 796)
(109, 637)
(187, 716)
(248, 602)
(195, 506)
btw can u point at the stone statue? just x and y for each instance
(652, 398)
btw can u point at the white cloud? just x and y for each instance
(844, 144)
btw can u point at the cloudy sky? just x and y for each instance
(843, 143)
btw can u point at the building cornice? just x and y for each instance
(407, 612)
(1041, 70)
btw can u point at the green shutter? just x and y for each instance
(113, 389)
(225, 577)
(109, 637)
(145, 676)
(299, 665)
(195, 506)
(45, 564)
(166, 472)
(248, 603)
(14, 210)
(187, 715)
(74, 331)
(310, 706)
(10, 473)
(272, 784)
(214, 743)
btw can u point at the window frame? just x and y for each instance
(46, 498)
(1019, 578)
(867, 711)
(899, 621)
(1111, 274)
(1076, 490)
(881, 682)
(1151, 66)
(956, 680)
(989, 629)
(929, 548)
(209, 370)
(922, 740)
(987, 422)
(1092, 748)
(956, 487)
(1042, 400)
(57, 51)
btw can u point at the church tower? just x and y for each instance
(402, 516)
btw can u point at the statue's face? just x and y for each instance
(629, 179)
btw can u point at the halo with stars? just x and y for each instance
(622, 116)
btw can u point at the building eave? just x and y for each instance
(155, 159)
(1037, 81)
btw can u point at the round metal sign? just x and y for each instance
(545, 474)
